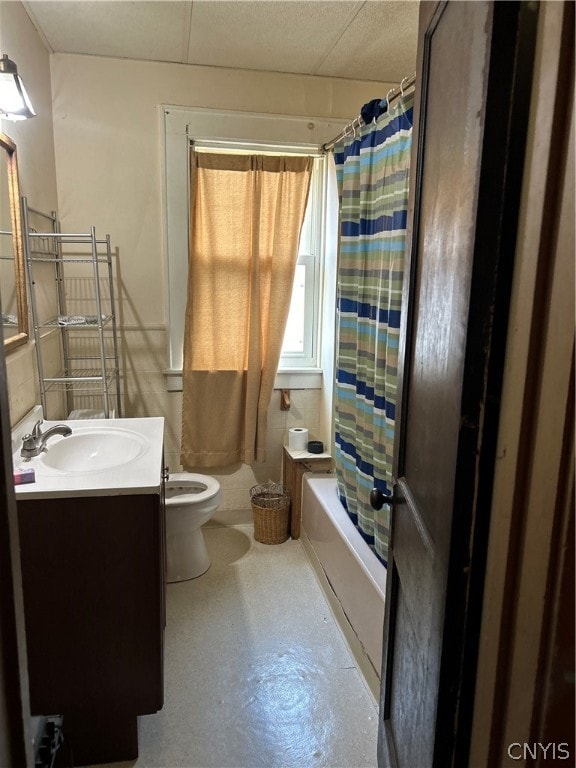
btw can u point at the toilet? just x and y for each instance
(191, 500)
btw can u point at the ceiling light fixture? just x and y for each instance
(14, 101)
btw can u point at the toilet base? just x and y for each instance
(186, 555)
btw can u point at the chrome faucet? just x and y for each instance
(33, 444)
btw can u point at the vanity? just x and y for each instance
(93, 573)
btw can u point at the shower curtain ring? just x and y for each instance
(388, 99)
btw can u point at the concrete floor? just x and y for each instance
(257, 672)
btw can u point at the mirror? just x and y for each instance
(12, 268)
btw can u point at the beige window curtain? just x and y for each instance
(246, 216)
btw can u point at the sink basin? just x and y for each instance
(102, 457)
(94, 449)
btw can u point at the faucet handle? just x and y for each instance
(28, 444)
(37, 432)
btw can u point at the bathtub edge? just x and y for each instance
(369, 674)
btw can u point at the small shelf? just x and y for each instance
(82, 380)
(75, 260)
(55, 322)
(294, 465)
(84, 301)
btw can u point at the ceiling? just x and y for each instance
(372, 40)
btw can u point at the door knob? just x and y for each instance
(378, 499)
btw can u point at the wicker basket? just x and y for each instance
(271, 509)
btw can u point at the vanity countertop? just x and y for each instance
(140, 475)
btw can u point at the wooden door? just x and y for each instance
(474, 70)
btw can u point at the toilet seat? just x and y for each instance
(187, 480)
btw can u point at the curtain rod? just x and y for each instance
(358, 122)
(232, 146)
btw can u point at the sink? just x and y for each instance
(93, 449)
(102, 457)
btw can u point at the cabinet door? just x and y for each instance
(92, 573)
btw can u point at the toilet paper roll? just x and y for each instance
(298, 438)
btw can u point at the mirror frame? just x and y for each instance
(9, 147)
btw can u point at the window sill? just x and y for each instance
(299, 378)
(287, 378)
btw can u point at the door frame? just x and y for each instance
(15, 728)
(530, 540)
(512, 44)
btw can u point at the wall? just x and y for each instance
(37, 167)
(108, 145)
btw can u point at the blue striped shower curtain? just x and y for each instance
(372, 171)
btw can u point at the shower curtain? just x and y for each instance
(372, 171)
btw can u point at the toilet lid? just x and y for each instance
(189, 488)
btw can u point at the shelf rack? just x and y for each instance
(89, 365)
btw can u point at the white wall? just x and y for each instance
(108, 139)
(99, 125)
(37, 167)
(108, 142)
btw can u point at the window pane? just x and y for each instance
(306, 232)
(294, 335)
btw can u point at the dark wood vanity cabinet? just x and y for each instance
(93, 573)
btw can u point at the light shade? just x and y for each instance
(14, 101)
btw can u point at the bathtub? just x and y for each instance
(353, 578)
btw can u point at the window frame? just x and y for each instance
(312, 260)
(217, 128)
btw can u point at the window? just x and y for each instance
(214, 130)
(300, 348)
(300, 345)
